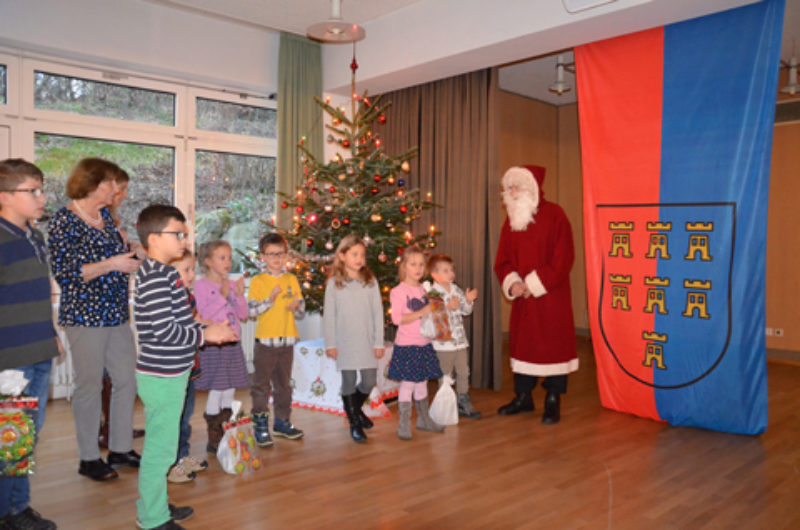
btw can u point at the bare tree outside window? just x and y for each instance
(233, 192)
(234, 118)
(95, 98)
(3, 83)
(151, 169)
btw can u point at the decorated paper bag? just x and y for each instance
(441, 321)
(17, 435)
(444, 409)
(237, 453)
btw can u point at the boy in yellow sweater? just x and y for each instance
(276, 299)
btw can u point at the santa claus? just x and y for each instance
(533, 263)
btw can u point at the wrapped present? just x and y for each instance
(17, 435)
(441, 322)
(237, 453)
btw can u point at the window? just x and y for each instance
(3, 83)
(235, 118)
(234, 193)
(95, 98)
(151, 169)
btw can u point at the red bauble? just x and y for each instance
(374, 191)
(400, 251)
(376, 178)
(346, 143)
(309, 242)
(403, 208)
(346, 221)
(300, 209)
(284, 205)
(313, 190)
(332, 189)
(382, 119)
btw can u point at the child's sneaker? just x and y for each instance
(465, 408)
(285, 429)
(194, 465)
(179, 474)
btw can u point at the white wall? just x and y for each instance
(434, 39)
(140, 35)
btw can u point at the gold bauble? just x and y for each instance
(405, 166)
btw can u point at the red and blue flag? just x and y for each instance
(676, 133)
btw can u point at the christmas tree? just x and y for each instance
(364, 193)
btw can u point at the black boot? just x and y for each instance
(364, 421)
(552, 409)
(352, 416)
(522, 402)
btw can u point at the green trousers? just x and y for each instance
(163, 399)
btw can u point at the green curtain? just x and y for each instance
(299, 80)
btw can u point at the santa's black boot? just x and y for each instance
(552, 409)
(522, 402)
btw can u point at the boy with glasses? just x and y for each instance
(168, 339)
(28, 341)
(276, 300)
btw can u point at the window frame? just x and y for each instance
(25, 120)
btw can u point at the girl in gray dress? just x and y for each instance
(353, 322)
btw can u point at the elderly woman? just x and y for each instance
(91, 265)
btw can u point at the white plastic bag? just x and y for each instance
(237, 452)
(444, 409)
(427, 327)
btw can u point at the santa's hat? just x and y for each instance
(526, 177)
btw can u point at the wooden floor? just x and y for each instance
(596, 469)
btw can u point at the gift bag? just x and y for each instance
(17, 435)
(444, 409)
(237, 449)
(441, 322)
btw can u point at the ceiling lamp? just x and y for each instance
(560, 86)
(335, 30)
(792, 88)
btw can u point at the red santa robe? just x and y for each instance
(542, 331)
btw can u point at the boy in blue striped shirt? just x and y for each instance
(168, 338)
(27, 339)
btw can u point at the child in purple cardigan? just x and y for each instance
(223, 367)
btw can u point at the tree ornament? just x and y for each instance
(306, 285)
(405, 166)
(345, 143)
(309, 242)
(336, 122)
(351, 170)
(374, 191)
(382, 257)
(361, 165)
(346, 221)
(367, 240)
(284, 205)
(342, 176)
(432, 243)
(329, 245)
(376, 218)
(401, 182)
(299, 209)
(390, 180)
(403, 208)
(400, 193)
(376, 178)
(336, 223)
(328, 208)
(332, 189)
(407, 220)
(382, 119)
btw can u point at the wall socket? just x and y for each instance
(770, 332)
(779, 332)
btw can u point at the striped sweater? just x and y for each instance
(168, 334)
(26, 315)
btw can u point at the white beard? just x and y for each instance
(521, 210)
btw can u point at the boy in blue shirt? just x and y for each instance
(28, 341)
(168, 338)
